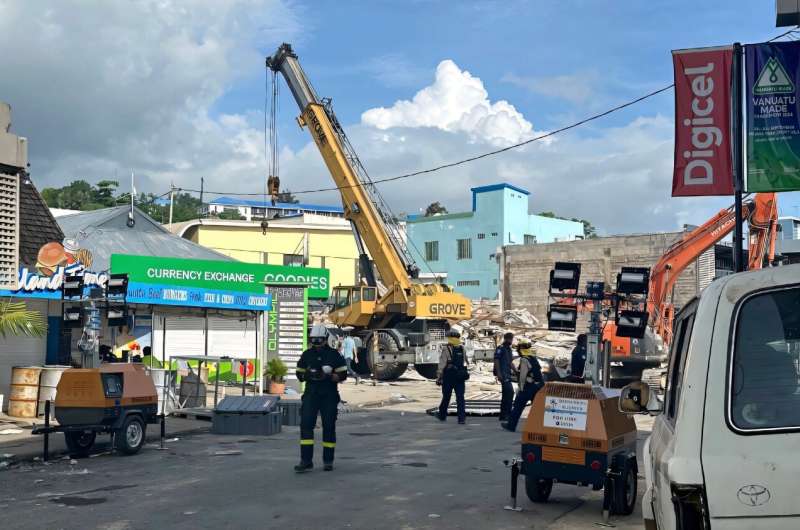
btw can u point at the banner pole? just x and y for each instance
(738, 165)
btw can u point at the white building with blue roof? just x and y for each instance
(252, 209)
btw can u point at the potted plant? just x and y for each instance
(276, 372)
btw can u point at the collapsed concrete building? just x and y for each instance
(525, 269)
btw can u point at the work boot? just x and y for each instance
(304, 467)
(440, 417)
(328, 466)
(462, 422)
(507, 427)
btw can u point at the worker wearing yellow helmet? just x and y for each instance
(452, 374)
(530, 381)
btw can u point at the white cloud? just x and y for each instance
(455, 102)
(100, 87)
(576, 88)
(619, 178)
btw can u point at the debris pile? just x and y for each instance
(488, 325)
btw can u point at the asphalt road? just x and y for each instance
(394, 470)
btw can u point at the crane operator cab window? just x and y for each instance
(341, 297)
(369, 294)
(764, 381)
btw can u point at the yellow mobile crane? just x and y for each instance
(406, 322)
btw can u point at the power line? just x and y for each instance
(791, 33)
(470, 159)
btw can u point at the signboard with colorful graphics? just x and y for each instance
(208, 283)
(54, 262)
(773, 116)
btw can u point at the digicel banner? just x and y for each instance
(703, 162)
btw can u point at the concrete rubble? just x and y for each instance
(488, 324)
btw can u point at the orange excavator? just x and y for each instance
(628, 357)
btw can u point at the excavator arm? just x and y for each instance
(762, 215)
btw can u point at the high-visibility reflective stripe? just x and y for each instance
(329, 445)
(341, 369)
(298, 369)
(307, 442)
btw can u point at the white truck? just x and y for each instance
(723, 453)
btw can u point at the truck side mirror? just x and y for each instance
(636, 398)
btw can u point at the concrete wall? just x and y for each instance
(526, 269)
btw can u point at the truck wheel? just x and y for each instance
(625, 487)
(387, 370)
(538, 489)
(427, 370)
(79, 443)
(130, 438)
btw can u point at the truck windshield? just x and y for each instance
(764, 379)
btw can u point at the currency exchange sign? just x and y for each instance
(773, 116)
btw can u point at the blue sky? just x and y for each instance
(176, 93)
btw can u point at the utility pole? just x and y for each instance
(738, 165)
(202, 182)
(171, 200)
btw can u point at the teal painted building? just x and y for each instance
(463, 246)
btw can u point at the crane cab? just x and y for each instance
(353, 306)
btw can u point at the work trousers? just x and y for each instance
(325, 405)
(351, 370)
(506, 399)
(449, 384)
(524, 396)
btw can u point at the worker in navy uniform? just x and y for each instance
(530, 381)
(321, 368)
(502, 371)
(578, 360)
(452, 376)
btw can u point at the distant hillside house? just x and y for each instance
(252, 209)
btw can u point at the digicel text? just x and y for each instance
(700, 171)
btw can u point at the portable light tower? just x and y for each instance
(626, 302)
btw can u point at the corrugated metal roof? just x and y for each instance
(261, 203)
(105, 232)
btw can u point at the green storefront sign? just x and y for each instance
(219, 275)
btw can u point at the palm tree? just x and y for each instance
(17, 319)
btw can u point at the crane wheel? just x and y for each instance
(388, 370)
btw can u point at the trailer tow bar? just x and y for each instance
(514, 465)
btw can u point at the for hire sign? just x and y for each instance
(703, 162)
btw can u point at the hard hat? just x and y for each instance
(319, 334)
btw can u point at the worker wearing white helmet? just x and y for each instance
(322, 369)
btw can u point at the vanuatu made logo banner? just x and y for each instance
(773, 116)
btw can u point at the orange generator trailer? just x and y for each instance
(118, 399)
(575, 434)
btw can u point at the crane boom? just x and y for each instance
(360, 199)
(406, 323)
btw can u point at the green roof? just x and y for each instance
(442, 217)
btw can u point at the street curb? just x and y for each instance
(29, 456)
